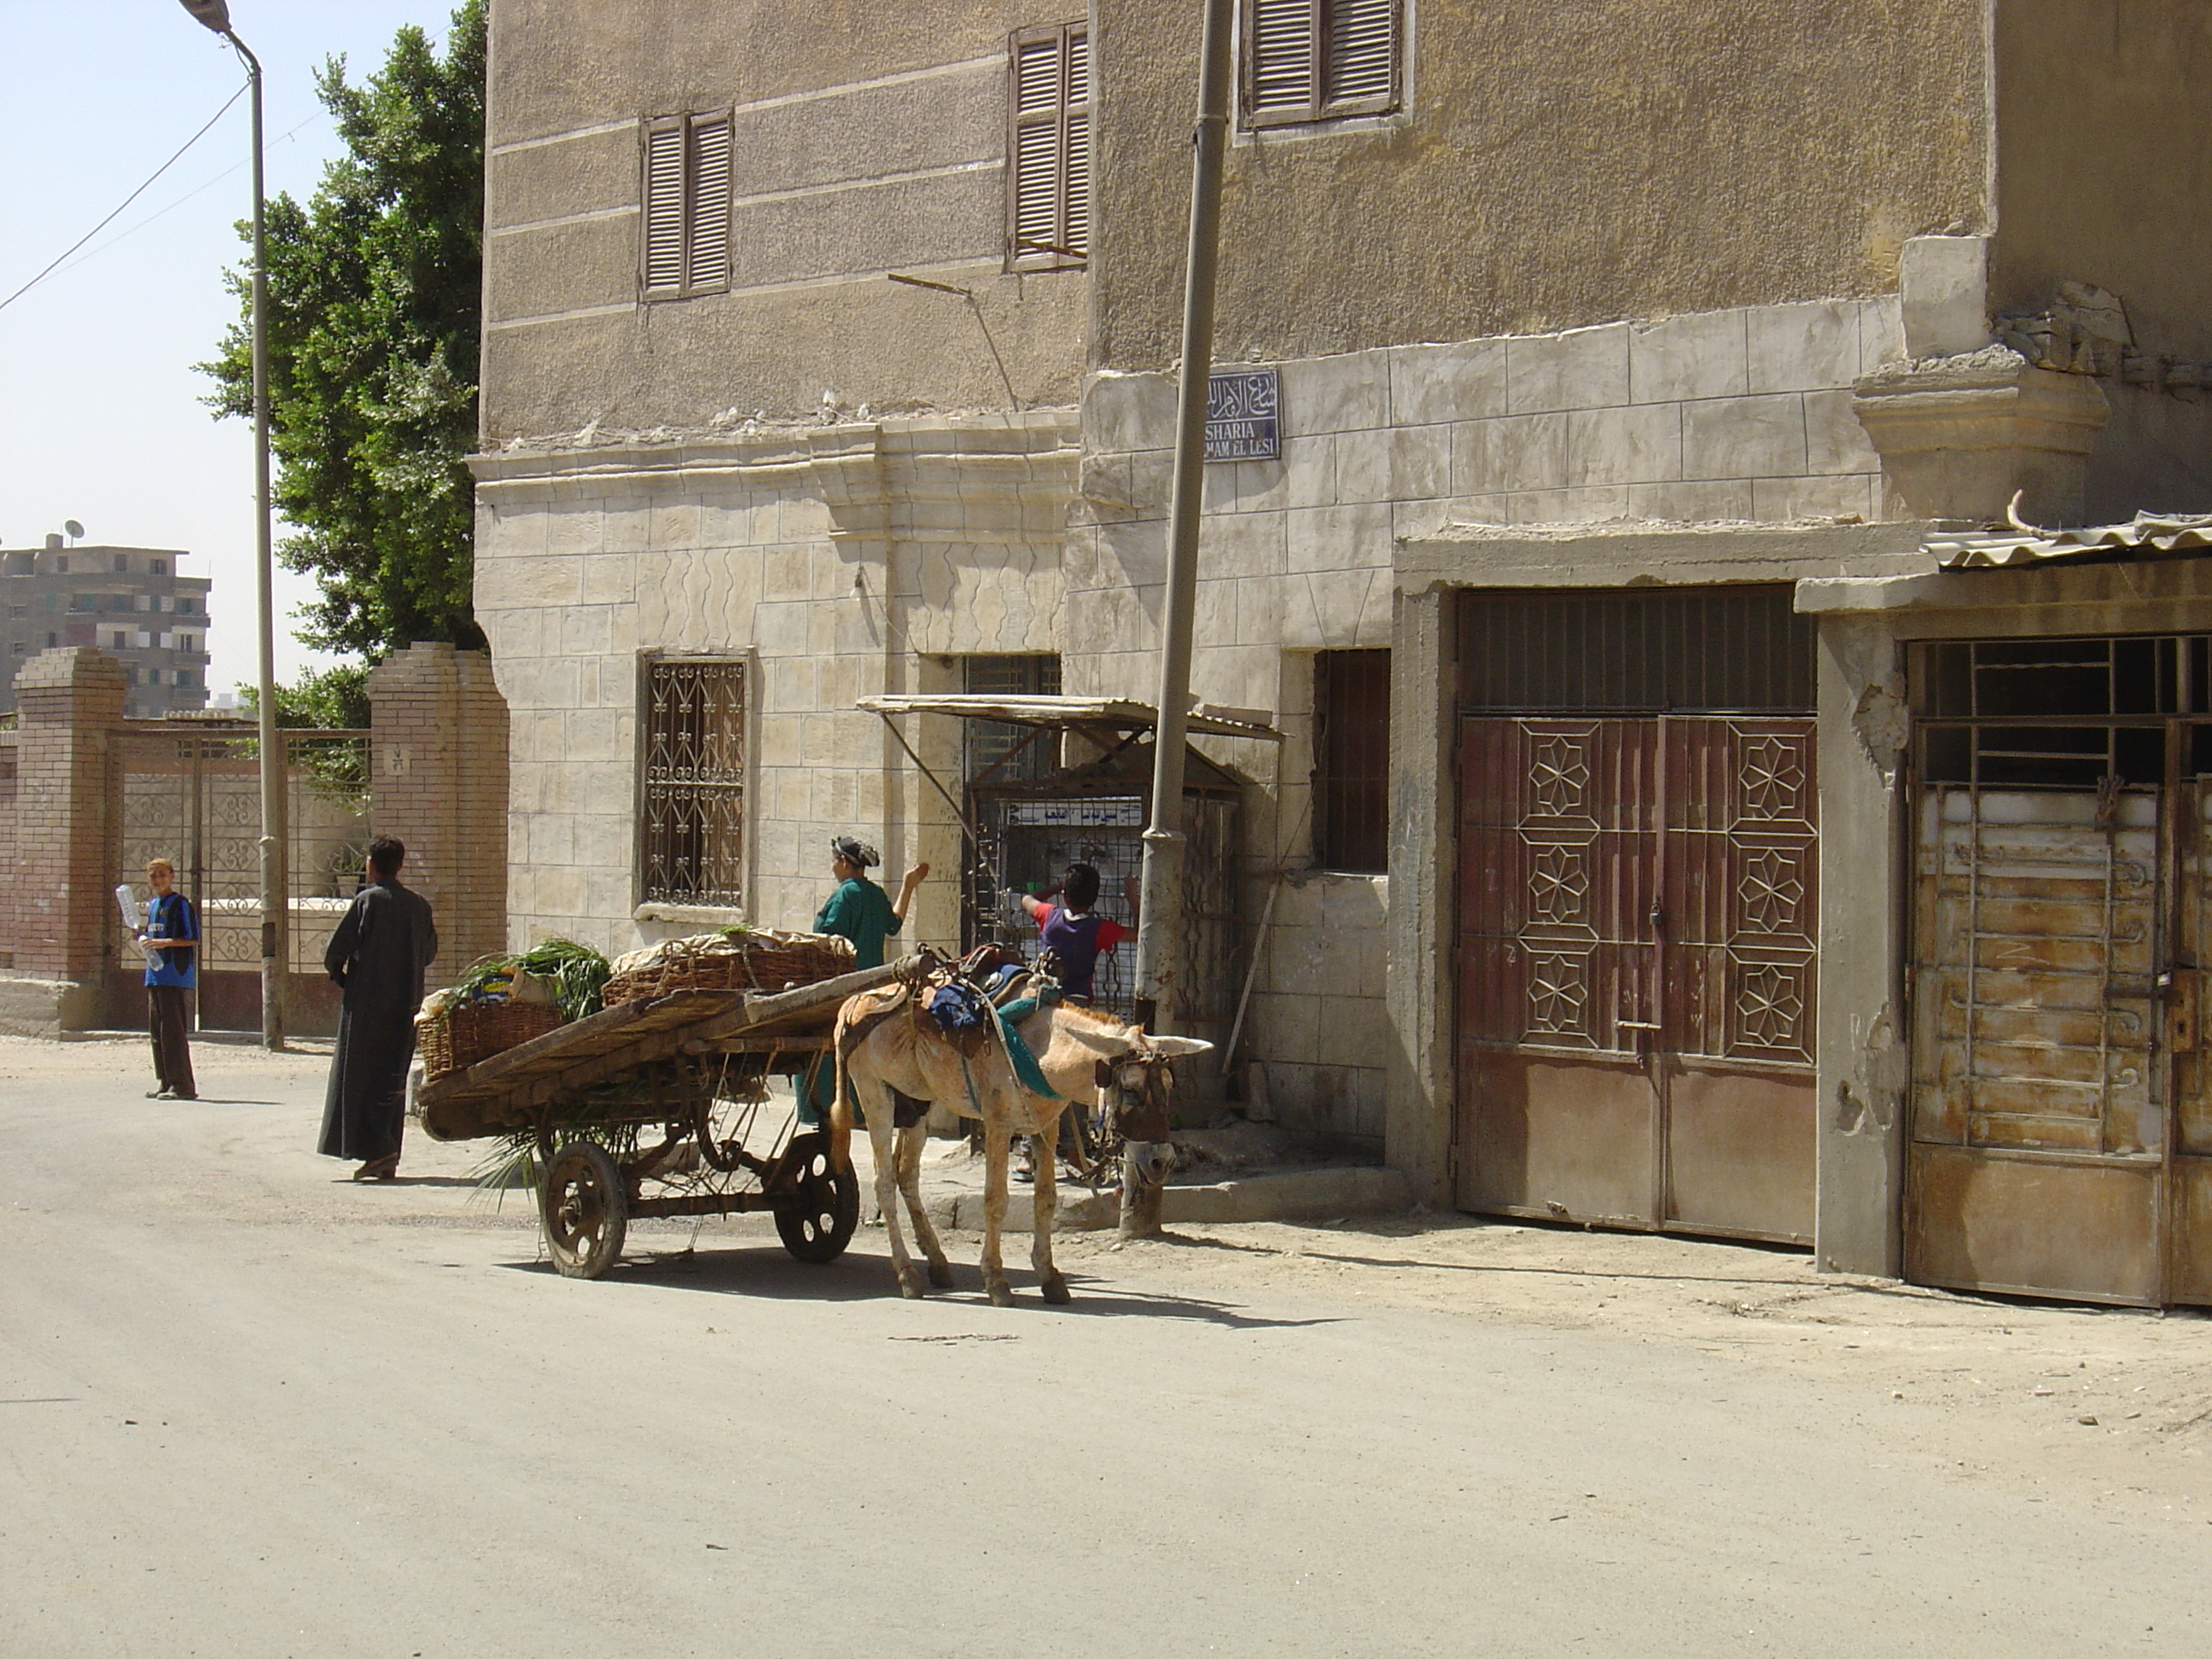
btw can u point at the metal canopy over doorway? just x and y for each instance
(2062, 1121)
(1020, 831)
(1637, 909)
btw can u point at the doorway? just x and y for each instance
(2062, 1138)
(1638, 909)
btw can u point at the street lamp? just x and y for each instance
(276, 909)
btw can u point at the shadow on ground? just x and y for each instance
(768, 1272)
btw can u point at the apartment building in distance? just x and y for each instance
(131, 602)
(1747, 764)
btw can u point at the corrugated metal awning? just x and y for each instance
(1113, 714)
(2148, 532)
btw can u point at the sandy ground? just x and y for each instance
(246, 1407)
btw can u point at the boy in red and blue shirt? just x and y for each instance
(1072, 930)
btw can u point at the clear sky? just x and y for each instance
(99, 414)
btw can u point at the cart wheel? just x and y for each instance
(816, 1220)
(586, 1210)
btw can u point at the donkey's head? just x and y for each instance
(1129, 1058)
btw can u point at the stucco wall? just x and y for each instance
(866, 140)
(2105, 176)
(1557, 166)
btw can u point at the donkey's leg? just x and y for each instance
(1045, 1199)
(925, 1231)
(876, 1101)
(997, 1140)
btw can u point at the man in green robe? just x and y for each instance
(862, 912)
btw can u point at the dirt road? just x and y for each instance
(248, 1409)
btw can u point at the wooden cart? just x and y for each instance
(691, 1065)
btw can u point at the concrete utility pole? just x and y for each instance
(1160, 908)
(276, 905)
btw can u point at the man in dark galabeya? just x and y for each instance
(378, 956)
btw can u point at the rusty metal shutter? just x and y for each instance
(708, 237)
(1351, 759)
(664, 208)
(1682, 650)
(1048, 148)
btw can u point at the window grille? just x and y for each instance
(1351, 759)
(1315, 60)
(1681, 650)
(688, 169)
(991, 748)
(692, 828)
(1048, 148)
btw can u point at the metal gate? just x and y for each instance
(1636, 973)
(2062, 1121)
(190, 792)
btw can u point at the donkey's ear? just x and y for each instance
(1097, 1038)
(1172, 1046)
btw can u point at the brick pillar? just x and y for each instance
(438, 737)
(68, 817)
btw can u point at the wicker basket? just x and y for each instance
(459, 1037)
(750, 962)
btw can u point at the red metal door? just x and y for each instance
(1636, 972)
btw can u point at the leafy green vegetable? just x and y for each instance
(578, 972)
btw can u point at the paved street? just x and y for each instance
(248, 1409)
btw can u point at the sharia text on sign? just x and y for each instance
(1244, 419)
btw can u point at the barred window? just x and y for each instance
(1048, 148)
(1315, 60)
(1351, 759)
(1006, 754)
(692, 829)
(687, 205)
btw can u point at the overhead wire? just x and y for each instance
(116, 212)
(197, 189)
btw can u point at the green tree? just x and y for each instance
(333, 697)
(374, 313)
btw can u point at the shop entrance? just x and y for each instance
(1638, 911)
(2062, 1121)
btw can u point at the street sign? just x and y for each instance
(1243, 416)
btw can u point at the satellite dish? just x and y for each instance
(73, 530)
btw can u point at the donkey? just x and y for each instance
(888, 1047)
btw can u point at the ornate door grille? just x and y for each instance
(1637, 916)
(693, 813)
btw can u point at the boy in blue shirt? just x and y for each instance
(170, 934)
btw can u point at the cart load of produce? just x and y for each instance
(737, 959)
(503, 1000)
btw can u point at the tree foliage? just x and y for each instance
(375, 306)
(336, 698)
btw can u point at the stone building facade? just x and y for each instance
(1605, 341)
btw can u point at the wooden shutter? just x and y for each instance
(664, 208)
(1075, 159)
(1313, 60)
(1362, 56)
(1048, 148)
(1282, 44)
(708, 234)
